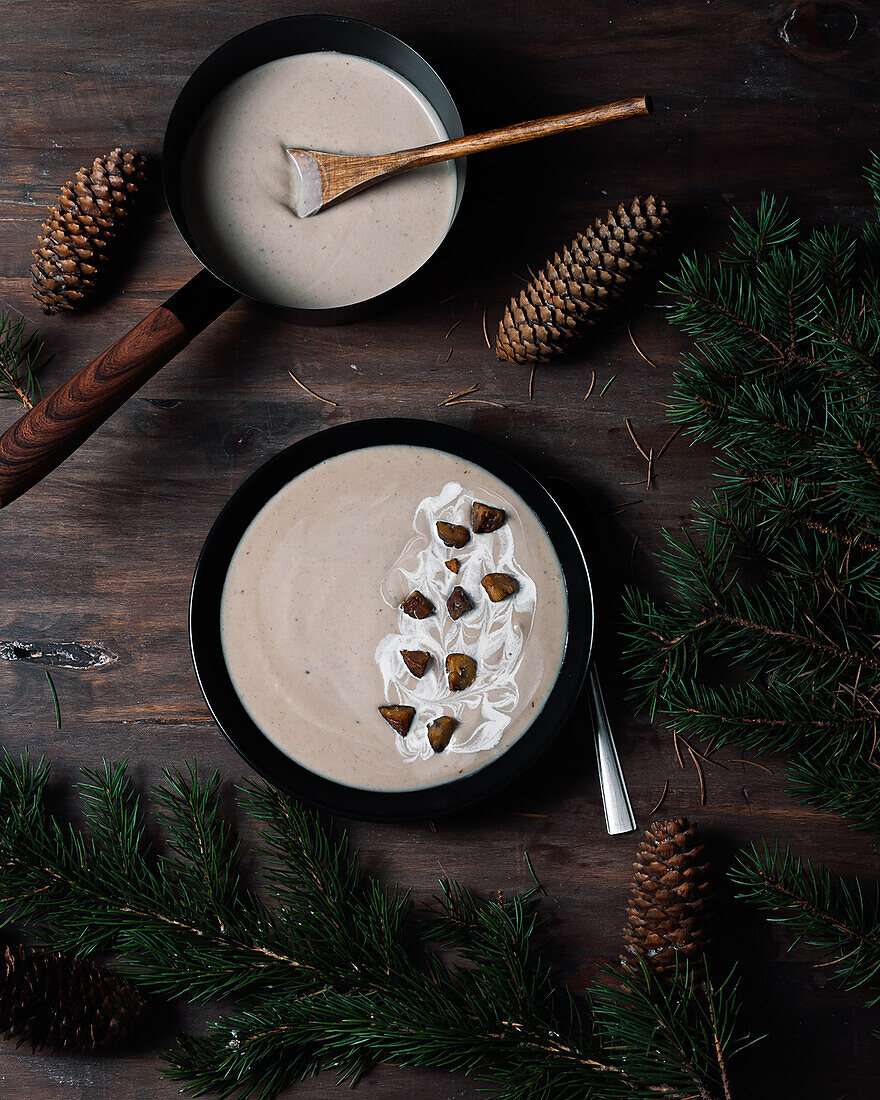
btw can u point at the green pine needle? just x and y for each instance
(21, 354)
(768, 637)
(320, 967)
(55, 704)
(841, 920)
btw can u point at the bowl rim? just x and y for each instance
(258, 750)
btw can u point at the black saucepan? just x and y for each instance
(51, 431)
(235, 721)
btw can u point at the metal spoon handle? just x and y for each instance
(619, 817)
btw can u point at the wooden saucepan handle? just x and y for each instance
(54, 428)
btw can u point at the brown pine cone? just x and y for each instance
(76, 245)
(672, 905)
(54, 1000)
(573, 291)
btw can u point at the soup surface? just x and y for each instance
(312, 627)
(237, 182)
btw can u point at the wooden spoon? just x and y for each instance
(323, 179)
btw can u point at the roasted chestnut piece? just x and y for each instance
(485, 519)
(398, 718)
(499, 586)
(453, 534)
(416, 660)
(440, 732)
(461, 670)
(459, 602)
(452, 565)
(417, 606)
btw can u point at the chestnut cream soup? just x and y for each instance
(312, 626)
(237, 182)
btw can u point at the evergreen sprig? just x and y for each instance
(769, 639)
(332, 971)
(839, 919)
(21, 354)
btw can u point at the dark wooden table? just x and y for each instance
(747, 97)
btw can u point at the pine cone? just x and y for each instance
(573, 291)
(76, 245)
(64, 1003)
(671, 908)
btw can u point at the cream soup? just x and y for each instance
(237, 182)
(312, 628)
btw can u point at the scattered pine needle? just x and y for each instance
(592, 384)
(626, 504)
(449, 356)
(699, 768)
(532, 381)
(454, 327)
(55, 702)
(856, 684)
(754, 763)
(443, 301)
(706, 756)
(650, 468)
(474, 401)
(485, 333)
(632, 557)
(316, 396)
(461, 393)
(432, 826)
(639, 351)
(669, 440)
(677, 749)
(535, 878)
(660, 800)
(522, 813)
(632, 436)
(607, 385)
(709, 748)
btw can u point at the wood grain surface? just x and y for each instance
(747, 96)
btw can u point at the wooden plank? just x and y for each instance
(103, 550)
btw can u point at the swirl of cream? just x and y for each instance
(494, 634)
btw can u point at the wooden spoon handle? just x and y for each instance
(54, 428)
(513, 135)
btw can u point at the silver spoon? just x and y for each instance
(619, 816)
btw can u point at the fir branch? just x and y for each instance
(335, 972)
(762, 718)
(845, 785)
(777, 579)
(21, 354)
(718, 306)
(770, 228)
(832, 253)
(90, 893)
(841, 920)
(634, 999)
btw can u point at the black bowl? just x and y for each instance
(236, 723)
